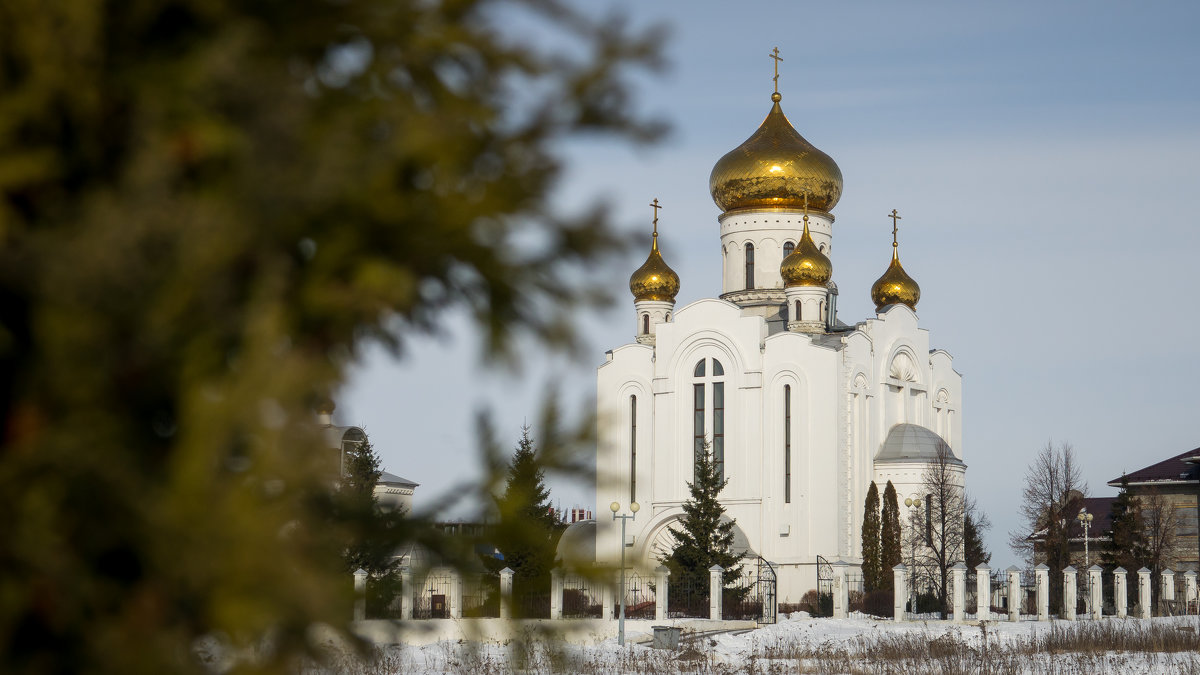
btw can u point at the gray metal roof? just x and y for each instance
(913, 443)
(393, 479)
(577, 545)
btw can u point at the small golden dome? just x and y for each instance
(775, 167)
(807, 265)
(895, 286)
(654, 280)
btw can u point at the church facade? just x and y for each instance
(799, 410)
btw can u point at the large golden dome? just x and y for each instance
(895, 286)
(654, 280)
(807, 265)
(774, 168)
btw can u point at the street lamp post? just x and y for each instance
(621, 592)
(1085, 519)
(914, 505)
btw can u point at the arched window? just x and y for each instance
(822, 247)
(749, 266)
(645, 324)
(820, 309)
(701, 405)
(667, 318)
(788, 247)
(787, 444)
(632, 449)
(799, 314)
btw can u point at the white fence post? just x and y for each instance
(1144, 598)
(1167, 592)
(1096, 591)
(1014, 593)
(662, 588)
(556, 593)
(1041, 575)
(1189, 589)
(841, 595)
(456, 589)
(1069, 596)
(506, 579)
(360, 594)
(983, 592)
(958, 577)
(1120, 592)
(899, 591)
(716, 589)
(406, 594)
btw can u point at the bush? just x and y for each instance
(875, 603)
(817, 604)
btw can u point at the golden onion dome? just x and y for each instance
(807, 265)
(654, 280)
(775, 167)
(895, 286)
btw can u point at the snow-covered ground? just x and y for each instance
(799, 644)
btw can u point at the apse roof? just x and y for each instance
(913, 443)
(386, 477)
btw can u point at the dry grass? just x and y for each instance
(1079, 649)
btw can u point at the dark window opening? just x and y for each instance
(749, 266)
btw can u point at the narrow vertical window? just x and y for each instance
(799, 314)
(749, 266)
(820, 309)
(698, 423)
(645, 324)
(788, 247)
(718, 445)
(787, 444)
(632, 449)
(929, 520)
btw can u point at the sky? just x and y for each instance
(1043, 157)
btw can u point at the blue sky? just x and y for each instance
(1043, 157)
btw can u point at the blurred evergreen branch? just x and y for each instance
(206, 207)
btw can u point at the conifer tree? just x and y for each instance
(889, 535)
(872, 566)
(366, 550)
(975, 524)
(703, 538)
(1128, 539)
(527, 531)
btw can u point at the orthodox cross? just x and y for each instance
(775, 55)
(894, 216)
(655, 205)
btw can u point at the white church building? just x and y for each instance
(801, 410)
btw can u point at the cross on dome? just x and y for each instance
(775, 55)
(895, 217)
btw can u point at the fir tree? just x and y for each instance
(974, 525)
(370, 547)
(703, 538)
(889, 535)
(1128, 538)
(527, 531)
(872, 566)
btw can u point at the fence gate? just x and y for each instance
(824, 588)
(768, 595)
(754, 594)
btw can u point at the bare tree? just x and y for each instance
(1158, 532)
(1053, 482)
(944, 510)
